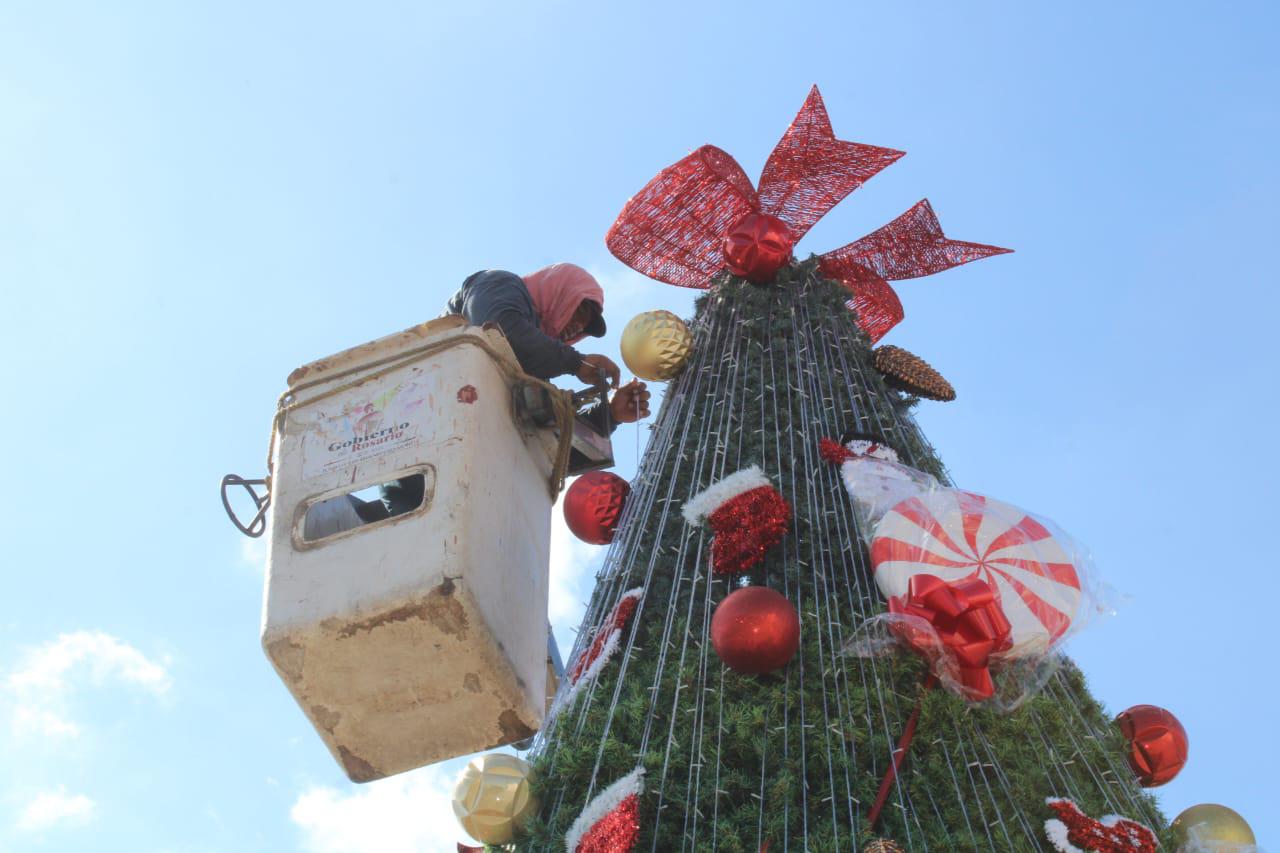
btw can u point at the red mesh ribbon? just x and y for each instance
(908, 247)
(673, 230)
(1109, 835)
(810, 171)
(966, 619)
(874, 303)
(745, 527)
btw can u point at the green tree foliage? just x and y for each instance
(794, 758)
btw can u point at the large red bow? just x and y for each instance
(965, 617)
(702, 214)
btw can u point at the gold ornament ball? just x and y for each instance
(493, 797)
(1211, 828)
(656, 345)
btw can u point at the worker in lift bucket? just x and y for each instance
(543, 314)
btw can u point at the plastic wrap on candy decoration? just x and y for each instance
(1012, 682)
(874, 477)
(1041, 581)
(956, 627)
(1036, 569)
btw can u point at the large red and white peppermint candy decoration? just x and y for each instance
(956, 535)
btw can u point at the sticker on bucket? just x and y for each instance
(359, 428)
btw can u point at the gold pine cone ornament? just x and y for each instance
(911, 373)
(494, 797)
(656, 345)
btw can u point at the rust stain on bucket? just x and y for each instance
(440, 610)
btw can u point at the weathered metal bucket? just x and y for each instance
(417, 634)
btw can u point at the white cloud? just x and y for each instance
(404, 814)
(47, 675)
(42, 721)
(51, 808)
(107, 657)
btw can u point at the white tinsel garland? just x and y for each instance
(709, 499)
(606, 652)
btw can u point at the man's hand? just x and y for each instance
(593, 367)
(630, 403)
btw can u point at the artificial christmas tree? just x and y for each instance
(792, 759)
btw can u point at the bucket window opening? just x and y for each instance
(365, 506)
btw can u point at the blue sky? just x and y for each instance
(195, 198)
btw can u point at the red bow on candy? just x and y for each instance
(965, 617)
(702, 214)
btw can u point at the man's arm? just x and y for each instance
(500, 297)
(538, 354)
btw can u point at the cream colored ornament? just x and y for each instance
(1211, 828)
(493, 797)
(656, 345)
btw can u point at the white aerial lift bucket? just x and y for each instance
(415, 638)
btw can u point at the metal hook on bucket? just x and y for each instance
(258, 524)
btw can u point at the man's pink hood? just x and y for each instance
(557, 292)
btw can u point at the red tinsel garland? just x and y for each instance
(616, 621)
(616, 832)
(746, 526)
(1074, 831)
(610, 823)
(836, 453)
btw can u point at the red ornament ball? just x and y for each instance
(1157, 743)
(593, 505)
(757, 247)
(755, 630)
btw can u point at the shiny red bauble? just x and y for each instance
(757, 246)
(755, 630)
(593, 505)
(1157, 743)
